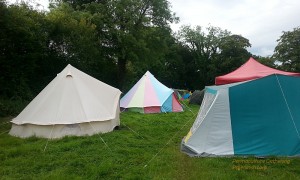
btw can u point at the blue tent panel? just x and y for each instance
(265, 116)
(167, 106)
(187, 95)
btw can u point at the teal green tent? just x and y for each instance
(259, 117)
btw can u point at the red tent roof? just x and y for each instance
(250, 70)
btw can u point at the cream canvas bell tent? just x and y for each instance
(73, 103)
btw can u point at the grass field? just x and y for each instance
(147, 146)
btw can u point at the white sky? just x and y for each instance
(260, 21)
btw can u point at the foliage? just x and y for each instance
(20, 49)
(287, 51)
(130, 32)
(179, 68)
(73, 40)
(233, 53)
(214, 51)
(267, 61)
(11, 107)
(117, 42)
(147, 146)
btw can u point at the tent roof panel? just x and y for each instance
(71, 99)
(248, 71)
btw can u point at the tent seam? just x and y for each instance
(292, 118)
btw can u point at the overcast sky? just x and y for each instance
(260, 21)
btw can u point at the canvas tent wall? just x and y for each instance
(249, 71)
(73, 103)
(197, 97)
(148, 95)
(259, 117)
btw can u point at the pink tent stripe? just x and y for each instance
(175, 104)
(151, 98)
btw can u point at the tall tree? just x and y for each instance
(204, 45)
(22, 45)
(130, 31)
(215, 51)
(72, 37)
(233, 53)
(268, 61)
(287, 50)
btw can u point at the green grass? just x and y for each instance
(147, 146)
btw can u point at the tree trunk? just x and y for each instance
(121, 71)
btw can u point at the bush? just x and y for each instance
(11, 107)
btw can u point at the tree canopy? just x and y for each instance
(117, 41)
(287, 51)
(214, 52)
